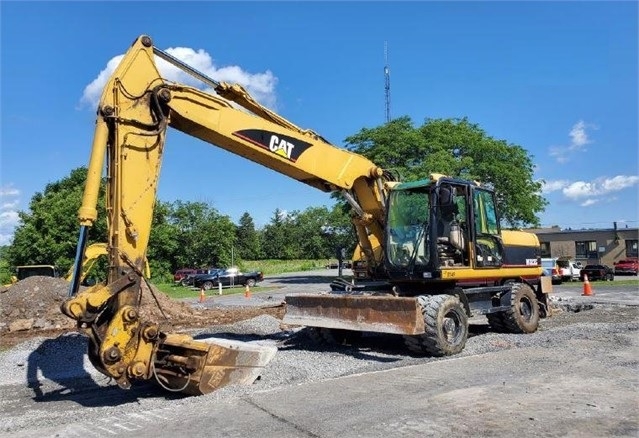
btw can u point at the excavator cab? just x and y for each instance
(427, 228)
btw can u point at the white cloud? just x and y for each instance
(578, 136)
(9, 191)
(260, 85)
(578, 140)
(9, 217)
(283, 215)
(553, 186)
(559, 154)
(10, 205)
(579, 189)
(93, 91)
(588, 202)
(619, 182)
(599, 187)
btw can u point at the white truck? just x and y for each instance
(569, 269)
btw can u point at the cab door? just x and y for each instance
(488, 247)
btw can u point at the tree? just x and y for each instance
(202, 236)
(311, 234)
(343, 232)
(277, 238)
(457, 148)
(216, 242)
(164, 249)
(248, 238)
(48, 232)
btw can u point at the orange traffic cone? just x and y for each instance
(587, 289)
(202, 295)
(247, 292)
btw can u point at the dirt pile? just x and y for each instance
(31, 308)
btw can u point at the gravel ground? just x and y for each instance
(45, 380)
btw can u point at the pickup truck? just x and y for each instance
(227, 277)
(627, 267)
(189, 279)
(569, 269)
(181, 274)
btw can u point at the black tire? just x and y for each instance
(207, 285)
(446, 324)
(523, 315)
(250, 282)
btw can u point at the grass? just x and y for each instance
(629, 282)
(181, 292)
(271, 267)
(268, 267)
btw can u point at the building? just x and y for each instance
(605, 246)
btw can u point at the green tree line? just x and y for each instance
(194, 234)
(183, 234)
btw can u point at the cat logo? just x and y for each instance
(281, 145)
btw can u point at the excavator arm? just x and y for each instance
(91, 255)
(135, 111)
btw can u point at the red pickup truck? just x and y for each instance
(180, 274)
(627, 267)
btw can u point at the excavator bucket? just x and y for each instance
(383, 314)
(201, 366)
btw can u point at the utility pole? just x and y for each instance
(387, 83)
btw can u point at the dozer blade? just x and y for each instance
(200, 367)
(383, 314)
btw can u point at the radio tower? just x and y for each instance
(387, 83)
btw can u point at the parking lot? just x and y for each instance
(576, 376)
(280, 285)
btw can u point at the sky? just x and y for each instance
(556, 78)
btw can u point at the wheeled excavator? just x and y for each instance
(437, 243)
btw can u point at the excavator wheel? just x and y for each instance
(333, 336)
(523, 315)
(446, 324)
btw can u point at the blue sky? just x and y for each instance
(557, 78)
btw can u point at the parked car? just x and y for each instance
(189, 280)
(551, 269)
(597, 272)
(228, 277)
(627, 267)
(569, 269)
(182, 273)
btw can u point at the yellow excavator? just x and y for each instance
(435, 245)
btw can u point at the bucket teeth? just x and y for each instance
(203, 366)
